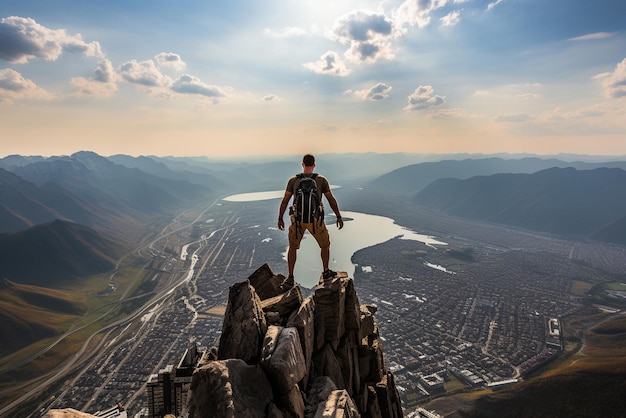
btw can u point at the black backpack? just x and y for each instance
(307, 207)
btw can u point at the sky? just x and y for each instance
(273, 77)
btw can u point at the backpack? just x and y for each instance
(307, 207)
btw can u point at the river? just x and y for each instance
(361, 230)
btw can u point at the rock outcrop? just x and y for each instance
(281, 355)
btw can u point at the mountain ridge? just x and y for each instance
(565, 201)
(55, 252)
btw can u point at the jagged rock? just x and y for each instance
(348, 356)
(319, 391)
(229, 389)
(267, 284)
(292, 403)
(303, 319)
(367, 323)
(338, 405)
(372, 362)
(325, 363)
(284, 304)
(282, 358)
(388, 398)
(373, 408)
(67, 413)
(353, 307)
(320, 357)
(330, 305)
(244, 325)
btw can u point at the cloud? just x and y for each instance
(491, 5)
(22, 39)
(375, 93)
(144, 73)
(615, 83)
(288, 32)
(272, 98)
(188, 84)
(103, 83)
(330, 64)
(423, 98)
(417, 12)
(592, 36)
(169, 59)
(368, 34)
(13, 86)
(451, 18)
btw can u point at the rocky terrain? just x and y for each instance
(282, 355)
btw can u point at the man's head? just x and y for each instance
(308, 160)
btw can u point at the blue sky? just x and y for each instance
(247, 77)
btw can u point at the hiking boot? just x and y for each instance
(328, 274)
(288, 282)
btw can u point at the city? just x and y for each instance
(475, 313)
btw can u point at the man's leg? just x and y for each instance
(291, 260)
(325, 252)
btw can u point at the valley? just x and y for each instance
(490, 318)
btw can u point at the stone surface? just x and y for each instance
(244, 325)
(284, 304)
(267, 284)
(67, 413)
(282, 358)
(319, 357)
(229, 389)
(338, 405)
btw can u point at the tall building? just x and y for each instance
(168, 390)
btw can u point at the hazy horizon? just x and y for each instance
(282, 78)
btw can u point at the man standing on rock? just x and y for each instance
(307, 213)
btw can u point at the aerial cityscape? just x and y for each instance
(476, 152)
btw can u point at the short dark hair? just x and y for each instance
(308, 160)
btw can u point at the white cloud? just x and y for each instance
(188, 84)
(417, 12)
(288, 32)
(615, 82)
(330, 64)
(377, 92)
(369, 35)
(103, 83)
(424, 97)
(13, 86)
(592, 36)
(451, 18)
(144, 73)
(491, 5)
(22, 39)
(171, 60)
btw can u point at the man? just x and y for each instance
(317, 228)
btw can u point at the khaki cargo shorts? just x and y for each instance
(320, 233)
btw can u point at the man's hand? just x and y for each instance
(281, 224)
(339, 222)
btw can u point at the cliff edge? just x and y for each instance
(281, 355)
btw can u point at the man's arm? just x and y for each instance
(281, 211)
(335, 207)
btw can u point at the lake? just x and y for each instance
(361, 230)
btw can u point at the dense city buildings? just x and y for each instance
(483, 310)
(168, 390)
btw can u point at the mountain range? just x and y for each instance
(564, 201)
(66, 218)
(412, 178)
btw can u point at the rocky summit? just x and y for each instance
(282, 355)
